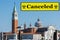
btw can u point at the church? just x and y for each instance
(38, 32)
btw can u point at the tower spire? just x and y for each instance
(14, 6)
(15, 14)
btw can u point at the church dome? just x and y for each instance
(38, 23)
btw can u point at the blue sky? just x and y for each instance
(46, 17)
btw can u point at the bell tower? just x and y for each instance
(14, 20)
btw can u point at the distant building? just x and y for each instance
(33, 33)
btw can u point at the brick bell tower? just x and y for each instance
(14, 20)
